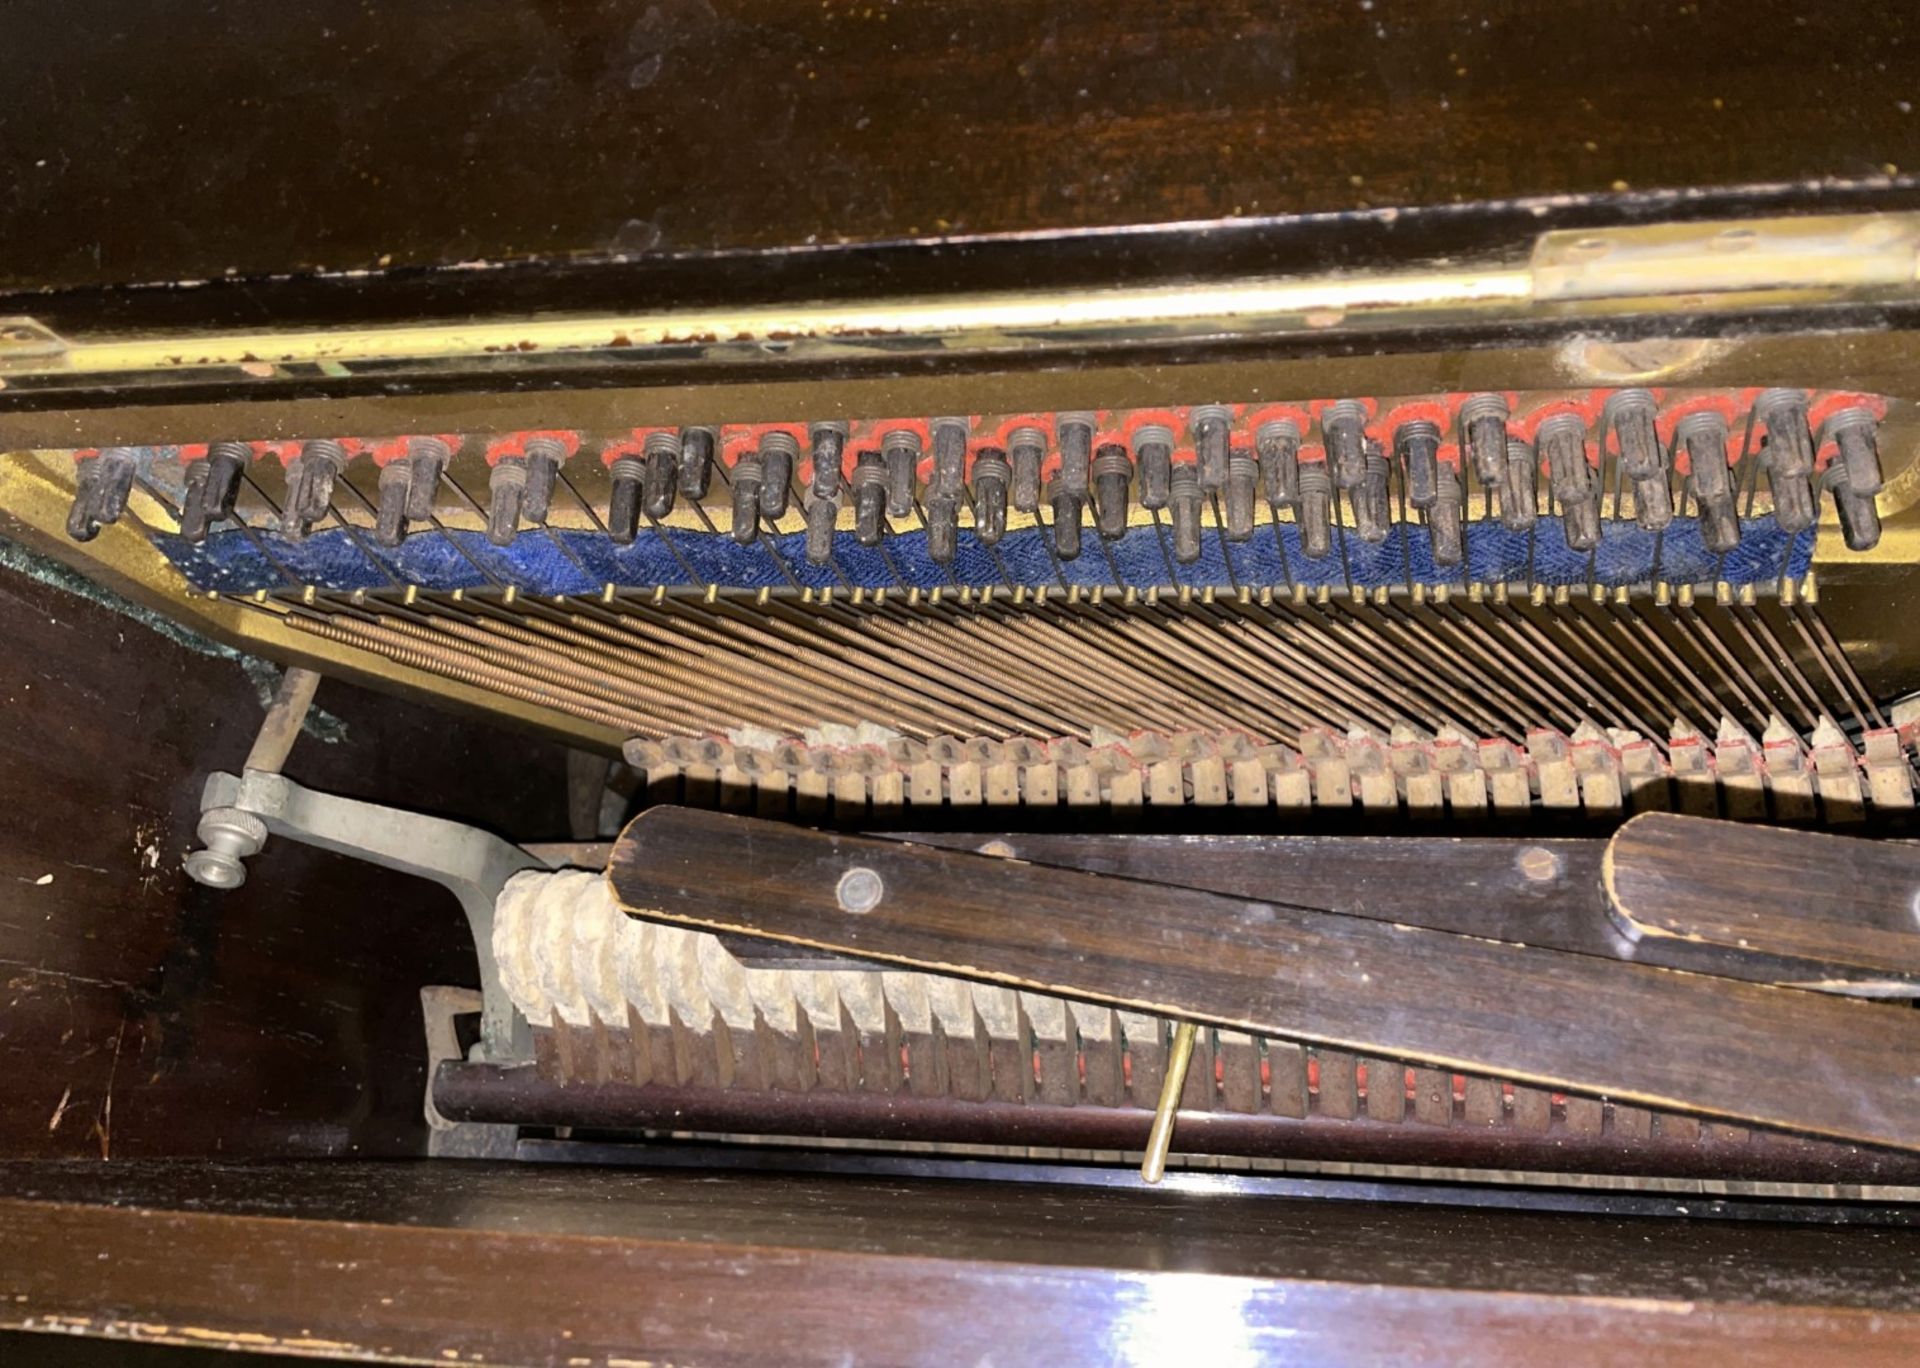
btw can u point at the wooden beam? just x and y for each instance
(1760, 1055)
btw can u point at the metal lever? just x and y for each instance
(473, 865)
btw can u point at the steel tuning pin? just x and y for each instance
(1484, 419)
(1417, 445)
(1185, 503)
(1630, 415)
(1211, 426)
(1073, 485)
(1112, 475)
(544, 455)
(749, 478)
(1277, 444)
(213, 483)
(1153, 454)
(696, 461)
(946, 488)
(829, 443)
(310, 480)
(1562, 446)
(870, 498)
(1703, 436)
(1343, 427)
(779, 451)
(901, 451)
(1788, 457)
(1519, 488)
(506, 494)
(1443, 516)
(1855, 434)
(992, 478)
(1854, 475)
(390, 507)
(628, 474)
(660, 474)
(1372, 501)
(426, 462)
(1243, 480)
(1027, 448)
(1316, 510)
(102, 486)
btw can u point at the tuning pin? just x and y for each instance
(778, 453)
(102, 486)
(544, 455)
(390, 521)
(1278, 446)
(1859, 516)
(869, 498)
(749, 481)
(1112, 474)
(1484, 418)
(1316, 510)
(1153, 454)
(1073, 485)
(193, 501)
(660, 476)
(829, 443)
(949, 456)
(1703, 435)
(1643, 460)
(1853, 431)
(1212, 429)
(1417, 444)
(1372, 507)
(900, 449)
(1443, 517)
(426, 462)
(1519, 489)
(696, 461)
(1027, 446)
(212, 485)
(310, 480)
(1185, 502)
(1788, 457)
(1243, 477)
(943, 528)
(506, 493)
(1067, 507)
(946, 486)
(628, 474)
(992, 476)
(1562, 444)
(1343, 427)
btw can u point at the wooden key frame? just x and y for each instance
(1767, 890)
(1757, 1054)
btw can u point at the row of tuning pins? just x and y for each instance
(407, 488)
(1101, 479)
(1509, 470)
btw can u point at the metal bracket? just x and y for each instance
(474, 865)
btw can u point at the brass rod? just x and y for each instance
(1153, 1166)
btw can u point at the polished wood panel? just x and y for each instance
(349, 135)
(143, 1014)
(1766, 889)
(1544, 892)
(436, 1261)
(1771, 1056)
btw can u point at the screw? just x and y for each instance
(860, 890)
